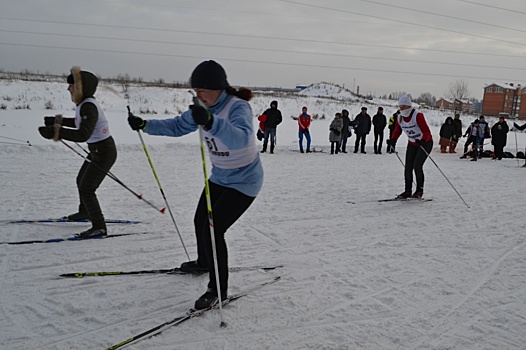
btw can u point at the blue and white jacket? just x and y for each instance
(230, 141)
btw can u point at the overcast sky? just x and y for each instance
(379, 46)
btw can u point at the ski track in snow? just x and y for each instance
(367, 275)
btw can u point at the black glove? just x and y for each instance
(420, 142)
(136, 123)
(337, 132)
(202, 116)
(305, 131)
(47, 132)
(49, 121)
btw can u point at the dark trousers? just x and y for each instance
(335, 144)
(269, 132)
(471, 140)
(378, 139)
(102, 156)
(360, 138)
(415, 158)
(227, 207)
(499, 151)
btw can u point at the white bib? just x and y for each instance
(102, 129)
(411, 128)
(223, 157)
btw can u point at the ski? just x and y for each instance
(173, 271)
(72, 239)
(60, 220)
(189, 315)
(405, 200)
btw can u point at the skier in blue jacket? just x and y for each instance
(237, 172)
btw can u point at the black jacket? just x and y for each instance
(499, 134)
(379, 122)
(364, 124)
(274, 117)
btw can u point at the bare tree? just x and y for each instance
(458, 91)
(426, 98)
(124, 80)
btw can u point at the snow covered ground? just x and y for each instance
(358, 274)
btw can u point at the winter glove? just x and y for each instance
(305, 131)
(49, 121)
(136, 123)
(420, 142)
(47, 132)
(337, 132)
(202, 116)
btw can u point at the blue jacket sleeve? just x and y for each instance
(177, 126)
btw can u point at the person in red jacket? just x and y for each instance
(420, 143)
(303, 124)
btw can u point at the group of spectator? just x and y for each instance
(342, 127)
(477, 132)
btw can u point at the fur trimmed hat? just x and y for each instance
(85, 84)
(209, 75)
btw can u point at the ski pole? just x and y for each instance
(161, 189)
(12, 139)
(113, 177)
(197, 102)
(444, 175)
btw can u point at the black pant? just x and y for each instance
(102, 156)
(227, 206)
(333, 144)
(471, 140)
(414, 161)
(360, 138)
(378, 139)
(499, 151)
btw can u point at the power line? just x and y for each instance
(406, 23)
(493, 25)
(265, 37)
(495, 7)
(263, 49)
(295, 64)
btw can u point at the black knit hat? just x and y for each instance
(209, 75)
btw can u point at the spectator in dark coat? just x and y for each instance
(457, 133)
(346, 133)
(446, 134)
(499, 135)
(274, 118)
(362, 129)
(379, 123)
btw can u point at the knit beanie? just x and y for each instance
(405, 100)
(209, 75)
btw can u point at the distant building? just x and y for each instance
(504, 100)
(456, 105)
